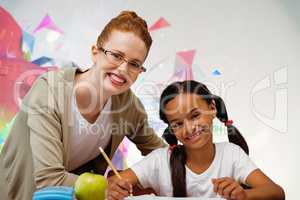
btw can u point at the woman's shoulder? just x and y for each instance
(126, 97)
(129, 105)
(49, 84)
(65, 74)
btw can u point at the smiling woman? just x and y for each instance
(68, 114)
(111, 73)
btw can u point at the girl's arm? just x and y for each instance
(262, 187)
(143, 172)
(128, 175)
(245, 171)
(120, 188)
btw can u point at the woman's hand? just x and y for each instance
(229, 189)
(118, 189)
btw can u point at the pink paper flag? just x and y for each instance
(183, 65)
(182, 75)
(161, 23)
(47, 23)
(187, 56)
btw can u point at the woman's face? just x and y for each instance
(115, 76)
(191, 118)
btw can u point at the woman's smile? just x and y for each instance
(117, 79)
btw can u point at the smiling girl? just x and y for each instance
(197, 167)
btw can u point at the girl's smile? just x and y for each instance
(195, 135)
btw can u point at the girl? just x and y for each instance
(69, 113)
(197, 167)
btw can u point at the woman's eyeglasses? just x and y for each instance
(117, 59)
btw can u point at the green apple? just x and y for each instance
(90, 186)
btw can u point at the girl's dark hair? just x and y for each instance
(178, 155)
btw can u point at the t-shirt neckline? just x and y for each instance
(209, 170)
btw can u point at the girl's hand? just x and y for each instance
(118, 189)
(229, 189)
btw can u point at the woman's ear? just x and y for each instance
(95, 52)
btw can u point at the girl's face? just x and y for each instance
(118, 61)
(191, 118)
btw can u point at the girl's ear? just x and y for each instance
(95, 52)
(213, 109)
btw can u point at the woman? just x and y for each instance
(68, 114)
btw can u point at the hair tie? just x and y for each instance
(172, 147)
(228, 122)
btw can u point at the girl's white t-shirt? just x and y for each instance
(229, 161)
(86, 138)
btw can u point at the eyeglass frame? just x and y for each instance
(123, 59)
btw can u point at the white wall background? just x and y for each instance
(255, 44)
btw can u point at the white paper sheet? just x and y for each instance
(152, 197)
